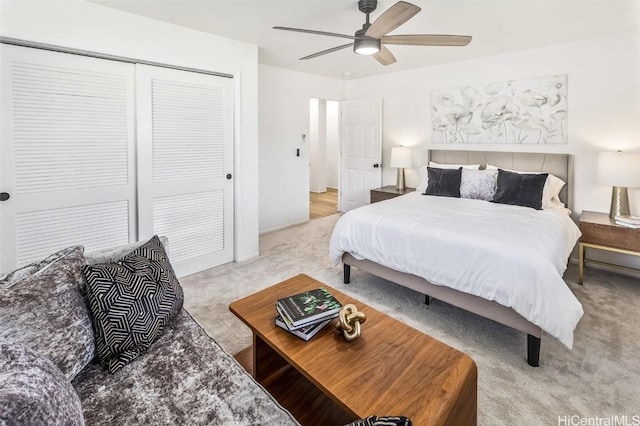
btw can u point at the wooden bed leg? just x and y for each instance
(346, 273)
(533, 350)
(427, 299)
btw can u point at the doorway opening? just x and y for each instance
(324, 157)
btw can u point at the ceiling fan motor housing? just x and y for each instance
(367, 6)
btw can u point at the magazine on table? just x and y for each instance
(628, 225)
(308, 307)
(305, 333)
(298, 326)
(627, 219)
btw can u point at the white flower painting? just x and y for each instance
(515, 112)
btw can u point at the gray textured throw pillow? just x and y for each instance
(47, 313)
(33, 391)
(14, 277)
(478, 184)
(132, 301)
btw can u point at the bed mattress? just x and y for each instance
(512, 255)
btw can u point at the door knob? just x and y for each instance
(4, 196)
(375, 166)
(229, 176)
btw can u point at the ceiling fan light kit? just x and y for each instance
(370, 40)
(366, 45)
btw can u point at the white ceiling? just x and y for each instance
(496, 26)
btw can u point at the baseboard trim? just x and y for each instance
(279, 228)
(247, 257)
(327, 189)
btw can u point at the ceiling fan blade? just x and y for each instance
(301, 30)
(324, 52)
(392, 18)
(384, 56)
(427, 40)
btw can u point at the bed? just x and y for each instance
(501, 262)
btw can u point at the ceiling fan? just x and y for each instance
(370, 40)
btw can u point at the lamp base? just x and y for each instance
(400, 179)
(619, 202)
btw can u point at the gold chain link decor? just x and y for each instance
(350, 320)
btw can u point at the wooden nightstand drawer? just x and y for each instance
(600, 229)
(387, 192)
(601, 232)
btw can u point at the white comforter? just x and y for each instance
(513, 255)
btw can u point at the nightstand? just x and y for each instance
(600, 232)
(387, 192)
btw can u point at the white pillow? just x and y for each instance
(551, 191)
(478, 184)
(424, 174)
(454, 166)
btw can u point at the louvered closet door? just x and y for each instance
(185, 152)
(66, 154)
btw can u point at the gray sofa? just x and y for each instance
(48, 370)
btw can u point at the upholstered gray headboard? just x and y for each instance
(557, 164)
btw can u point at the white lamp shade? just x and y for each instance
(401, 157)
(619, 169)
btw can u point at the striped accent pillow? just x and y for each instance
(132, 301)
(382, 421)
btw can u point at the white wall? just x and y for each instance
(317, 145)
(324, 144)
(333, 144)
(284, 116)
(604, 106)
(82, 25)
(312, 139)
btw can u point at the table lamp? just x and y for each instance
(400, 158)
(620, 170)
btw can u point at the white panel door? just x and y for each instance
(67, 153)
(185, 165)
(361, 151)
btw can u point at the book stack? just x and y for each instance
(628, 221)
(305, 314)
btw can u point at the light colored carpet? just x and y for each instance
(599, 377)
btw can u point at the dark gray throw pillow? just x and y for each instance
(132, 301)
(444, 182)
(33, 391)
(520, 189)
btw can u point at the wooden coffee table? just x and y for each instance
(392, 369)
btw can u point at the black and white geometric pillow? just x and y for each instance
(152, 255)
(383, 421)
(132, 301)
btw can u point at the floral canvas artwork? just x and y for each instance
(530, 111)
